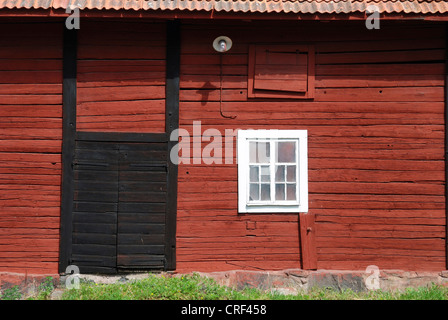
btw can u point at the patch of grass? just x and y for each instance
(12, 293)
(45, 289)
(195, 287)
(189, 287)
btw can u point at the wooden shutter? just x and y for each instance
(281, 71)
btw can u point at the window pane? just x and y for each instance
(279, 173)
(286, 151)
(254, 193)
(291, 192)
(265, 192)
(253, 174)
(252, 152)
(291, 174)
(279, 191)
(259, 152)
(265, 174)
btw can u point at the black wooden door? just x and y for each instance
(95, 207)
(120, 205)
(142, 198)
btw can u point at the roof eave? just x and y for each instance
(205, 14)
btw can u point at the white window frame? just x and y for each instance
(243, 139)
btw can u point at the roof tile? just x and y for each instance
(293, 6)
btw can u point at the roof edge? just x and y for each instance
(196, 13)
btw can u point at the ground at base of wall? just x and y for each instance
(27, 284)
(291, 281)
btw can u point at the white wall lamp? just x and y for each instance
(222, 44)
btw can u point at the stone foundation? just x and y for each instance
(296, 280)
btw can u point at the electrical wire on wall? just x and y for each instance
(220, 90)
(222, 44)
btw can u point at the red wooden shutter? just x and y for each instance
(281, 71)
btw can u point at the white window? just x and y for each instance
(272, 171)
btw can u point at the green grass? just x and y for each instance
(12, 293)
(194, 287)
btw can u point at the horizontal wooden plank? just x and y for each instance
(188, 264)
(94, 239)
(310, 108)
(121, 137)
(137, 227)
(139, 238)
(79, 206)
(104, 176)
(348, 175)
(94, 65)
(34, 88)
(383, 263)
(83, 261)
(34, 80)
(132, 207)
(147, 217)
(376, 188)
(150, 197)
(140, 260)
(141, 249)
(379, 81)
(427, 131)
(394, 56)
(96, 196)
(142, 186)
(134, 108)
(237, 70)
(122, 94)
(30, 64)
(375, 205)
(381, 94)
(97, 51)
(94, 185)
(347, 242)
(31, 99)
(381, 69)
(31, 111)
(391, 220)
(433, 216)
(30, 51)
(94, 249)
(376, 164)
(95, 217)
(230, 58)
(399, 94)
(276, 84)
(143, 176)
(380, 45)
(94, 228)
(235, 228)
(213, 81)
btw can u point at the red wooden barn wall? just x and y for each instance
(30, 146)
(376, 140)
(376, 148)
(121, 76)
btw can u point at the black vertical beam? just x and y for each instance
(172, 123)
(68, 144)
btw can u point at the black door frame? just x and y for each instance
(70, 135)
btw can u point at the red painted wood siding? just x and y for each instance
(30, 146)
(121, 77)
(376, 148)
